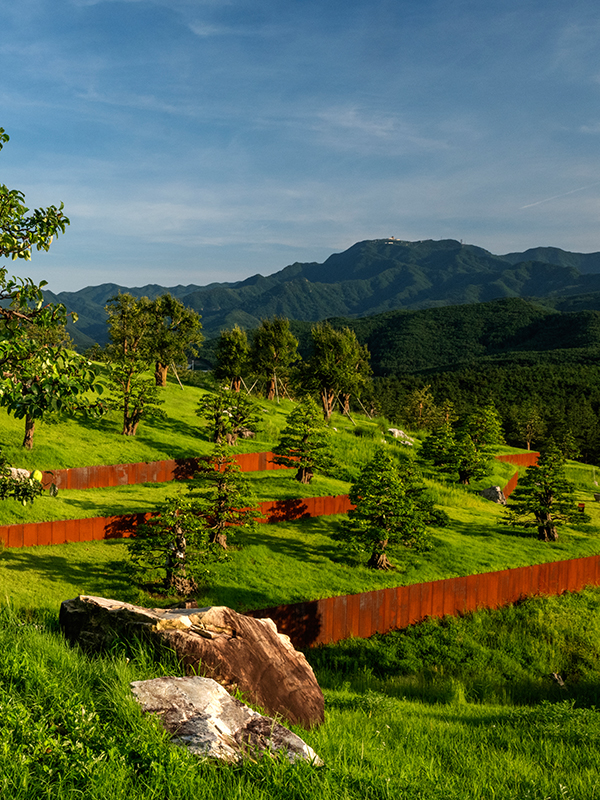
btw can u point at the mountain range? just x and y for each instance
(371, 277)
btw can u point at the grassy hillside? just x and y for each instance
(473, 542)
(407, 716)
(449, 710)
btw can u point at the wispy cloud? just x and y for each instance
(557, 196)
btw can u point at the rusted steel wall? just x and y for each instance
(286, 510)
(62, 531)
(145, 472)
(84, 530)
(520, 459)
(335, 618)
(511, 485)
(97, 477)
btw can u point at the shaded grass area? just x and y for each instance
(70, 729)
(75, 504)
(501, 657)
(289, 562)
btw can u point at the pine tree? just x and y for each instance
(221, 495)
(391, 507)
(305, 442)
(544, 497)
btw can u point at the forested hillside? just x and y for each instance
(371, 277)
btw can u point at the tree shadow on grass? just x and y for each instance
(109, 578)
(290, 540)
(485, 530)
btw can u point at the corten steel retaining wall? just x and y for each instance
(82, 530)
(98, 477)
(63, 531)
(335, 618)
(519, 460)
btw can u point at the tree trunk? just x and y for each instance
(271, 389)
(346, 404)
(220, 538)
(160, 373)
(130, 425)
(379, 559)
(236, 384)
(327, 398)
(29, 428)
(546, 529)
(304, 475)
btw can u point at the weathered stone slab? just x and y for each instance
(203, 717)
(235, 650)
(495, 494)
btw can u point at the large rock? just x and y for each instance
(235, 650)
(203, 717)
(495, 494)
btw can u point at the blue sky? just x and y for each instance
(194, 141)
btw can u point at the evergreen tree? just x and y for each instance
(228, 414)
(221, 495)
(544, 497)
(172, 547)
(305, 442)
(391, 507)
(232, 357)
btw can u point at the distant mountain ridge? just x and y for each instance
(371, 277)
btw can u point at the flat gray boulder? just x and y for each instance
(495, 494)
(237, 651)
(203, 717)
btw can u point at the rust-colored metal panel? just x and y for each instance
(378, 620)
(57, 531)
(544, 582)
(520, 459)
(353, 614)
(554, 574)
(121, 475)
(16, 535)
(402, 607)
(71, 530)
(385, 611)
(504, 587)
(415, 608)
(85, 531)
(426, 599)
(365, 624)
(470, 598)
(511, 485)
(449, 587)
(337, 627)
(437, 599)
(33, 534)
(460, 595)
(326, 617)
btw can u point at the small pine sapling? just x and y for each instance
(305, 442)
(391, 507)
(221, 494)
(544, 497)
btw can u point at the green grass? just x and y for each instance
(459, 709)
(70, 729)
(76, 504)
